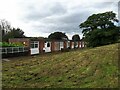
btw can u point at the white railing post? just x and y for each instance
(6, 50)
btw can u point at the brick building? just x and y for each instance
(37, 46)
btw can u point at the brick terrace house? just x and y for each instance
(41, 45)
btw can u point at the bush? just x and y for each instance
(5, 44)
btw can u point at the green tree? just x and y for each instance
(100, 29)
(76, 37)
(13, 33)
(58, 36)
(5, 27)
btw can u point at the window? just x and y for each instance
(34, 44)
(48, 44)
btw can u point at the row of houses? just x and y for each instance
(37, 46)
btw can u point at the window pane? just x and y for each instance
(32, 45)
(48, 44)
(36, 45)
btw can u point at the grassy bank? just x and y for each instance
(89, 68)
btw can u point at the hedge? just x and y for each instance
(5, 44)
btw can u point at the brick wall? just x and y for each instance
(24, 41)
(65, 44)
(41, 45)
(54, 44)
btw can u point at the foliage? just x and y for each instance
(99, 29)
(5, 44)
(4, 26)
(76, 37)
(58, 36)
(89, 68)
(9, 32)
(13, 33)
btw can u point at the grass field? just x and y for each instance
(89, 68)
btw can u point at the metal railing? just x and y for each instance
(6, 50)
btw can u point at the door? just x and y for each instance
(34, 47)
(72, 45)
(61, 45)
(76, 44)
(47, 47)
(68, 44)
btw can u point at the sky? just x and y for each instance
(39, 18)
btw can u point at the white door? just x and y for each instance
(72, 45)
(83, 45)
(61, 45)
(34, 47)
(68, 44)
(76, 44)
(47, 47)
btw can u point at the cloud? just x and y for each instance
(42, 17)
(48, 9)
(60, 18)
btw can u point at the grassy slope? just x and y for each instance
(89, 68)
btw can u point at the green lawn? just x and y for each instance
(87, 68)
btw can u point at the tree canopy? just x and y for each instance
(5, 27)
(13, 33)
(76, 37)
(58, 36)
(100, 29)
(9, 32)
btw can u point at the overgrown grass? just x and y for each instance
(89, 68)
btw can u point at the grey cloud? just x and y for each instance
(67, 28)
(57, 8)
(56, 17)
(46, 11)
(75, 17)
(102, 5)
(68, 23)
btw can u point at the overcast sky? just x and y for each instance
(42, 17)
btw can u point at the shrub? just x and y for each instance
(5, 44)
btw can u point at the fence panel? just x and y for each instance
(14, 51)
